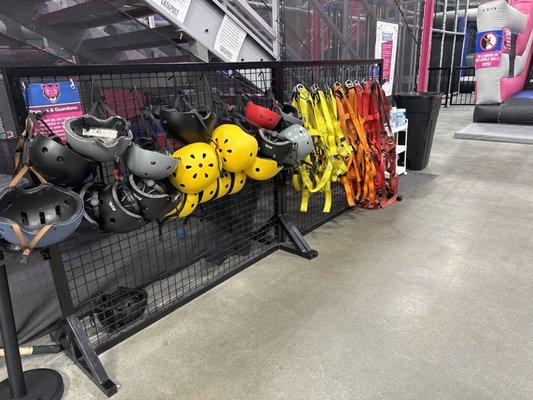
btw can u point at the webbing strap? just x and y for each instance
(28, 247)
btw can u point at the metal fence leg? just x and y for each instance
(300, 246)
(71, 336)
(78, 347)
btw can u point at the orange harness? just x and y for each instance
(371, 179)
(361, 172)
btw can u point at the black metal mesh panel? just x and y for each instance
(182, 257)
(173, 263)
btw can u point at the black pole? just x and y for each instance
(35, 384)
(9, 337)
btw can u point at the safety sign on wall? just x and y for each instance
(229, 40)
(489, 47)
(386, 47)
(177, 9)
(58, 101)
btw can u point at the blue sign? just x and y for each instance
(489, 41)
(58, 101)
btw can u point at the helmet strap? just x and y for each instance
(28, 247)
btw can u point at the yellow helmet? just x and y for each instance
(237, 149)
(209, 192)
(238, 180)
(188, 204)
(263, 169)
(197, 168)
(224, 184)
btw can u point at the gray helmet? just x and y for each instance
(145, 158)
(119, 210)
(98, 139)
(153, 197)
(302, 140)
(47, 210)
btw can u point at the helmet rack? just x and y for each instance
(178, 261)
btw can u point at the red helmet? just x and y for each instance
(261, 116)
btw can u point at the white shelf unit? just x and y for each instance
(400, 137)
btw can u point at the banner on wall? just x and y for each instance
(386, 47)
(490, 45)
(58, 100)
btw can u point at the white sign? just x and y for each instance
(229, 40)
(177, 9)
(386, 47)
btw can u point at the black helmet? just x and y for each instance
(290, 114)
(90, 193)
(119, 210)
(153, 197)
(188, 127)
(274, 147)
(56, 162)
(121, 307)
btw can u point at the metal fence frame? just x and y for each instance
(288, 223)
(448, 81)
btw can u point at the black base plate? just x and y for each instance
(42, 384)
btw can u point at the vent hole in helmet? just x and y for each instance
(201, 165)
(188, 167)
(168, 166)
(211, 165)
(192, 205)
(152, 162)
(42, 217)
(224, 158)
(112, 220)
(192, 156)
(182, 185)
(251, 155)
(24, 218)
(174, 174)
(60, 159)
(220, 150)
(226, 186)
(257, 169)
(241, 181)
(206, 175)
(211, 192)
(44, 150)
(230, 151)
(194, 176)
(204, 155)
(226, 140)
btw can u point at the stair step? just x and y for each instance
(93, 13)
(142, 39)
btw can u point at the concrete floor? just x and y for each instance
(429, 299)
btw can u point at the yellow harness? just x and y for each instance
(328, 161)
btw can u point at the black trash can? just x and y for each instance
(422, 112)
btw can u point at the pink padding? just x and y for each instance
(511, 86)
(525, 7)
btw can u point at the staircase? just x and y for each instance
(126, 31)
